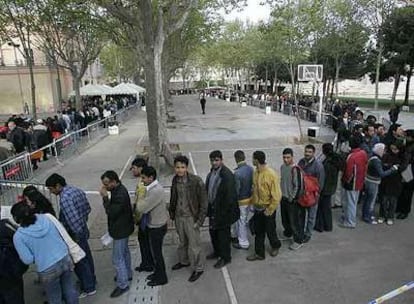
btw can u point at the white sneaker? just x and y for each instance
(390, 222)
(295, 246)
(381, 220)
(85, 294)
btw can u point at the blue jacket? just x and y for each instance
(244, 180)
(40, 243)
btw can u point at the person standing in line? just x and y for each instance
(223, 209)
(147, 263)
(375, 173)
(188, 208)
(154, 205)
(332, 165)
(74, 213)
(11, 267)
(293, 214)
(265, 200)
(38, 241)
(120, 227)
(311, 166)
(353, 182)
(243, 175)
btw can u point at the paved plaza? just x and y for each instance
(344, 266)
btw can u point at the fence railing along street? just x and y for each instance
(20, 167)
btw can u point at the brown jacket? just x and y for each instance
(197, 196)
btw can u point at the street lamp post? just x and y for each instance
(15, 45)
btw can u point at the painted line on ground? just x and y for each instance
(140, 139)
(393, 293)
(192, 163)
(125, 167)
(229, 285)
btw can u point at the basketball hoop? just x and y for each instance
(310, 72)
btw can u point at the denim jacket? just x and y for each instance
(244, 180)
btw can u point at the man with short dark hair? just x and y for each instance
(147, 263)
(265, 200)
(74, 212)
(310, 165)
(293, 215)
(154, 205)
(120, 227)
(223, 208)
(243, 175)
(353, 182)
(369, 139)
(188, 207)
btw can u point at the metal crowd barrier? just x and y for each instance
(11, 190)
(20, 168)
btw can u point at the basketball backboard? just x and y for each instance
(310, 72)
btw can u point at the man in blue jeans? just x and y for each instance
(74, 212)
(120, 226)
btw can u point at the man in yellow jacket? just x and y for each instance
(265, 200)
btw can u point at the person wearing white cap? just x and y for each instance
(375, 173)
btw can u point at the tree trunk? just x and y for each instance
(337, 68)
(395, 89)
(76, 87)
(32, 82)
(275, 83)
(407, 87)
(58, 87)
(377, 73)
(267, 76)
(332, 88)
(292, 78)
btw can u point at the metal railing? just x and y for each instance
(20, 167)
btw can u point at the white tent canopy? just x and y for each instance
(127, 88)
(93, 90)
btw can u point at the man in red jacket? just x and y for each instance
(353, 181)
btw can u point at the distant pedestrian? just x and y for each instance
(188, 207)
(266, 199)
(120, 227)
(74, 213)
(243, 175)
(203, 103)
(154, 205)
(223, 209)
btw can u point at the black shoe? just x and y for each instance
(306, 239)
(195, 275)
(402, 216)
(129, 279)
(144, 269)
(221, 263)
(211, 256)
(179, 266)
(157, 283)
(151, 277)
(238, 246)
(234, 240)
(118, 291)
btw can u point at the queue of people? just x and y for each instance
(373, 170)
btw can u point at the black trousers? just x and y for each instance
(324, 214)
(145, 248)
(405, 198)
(203, 107)
(156, 238)
(14, 293)
(265, 225)
(293, 218)
(221, 239)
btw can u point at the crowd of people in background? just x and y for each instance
(21, 133)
